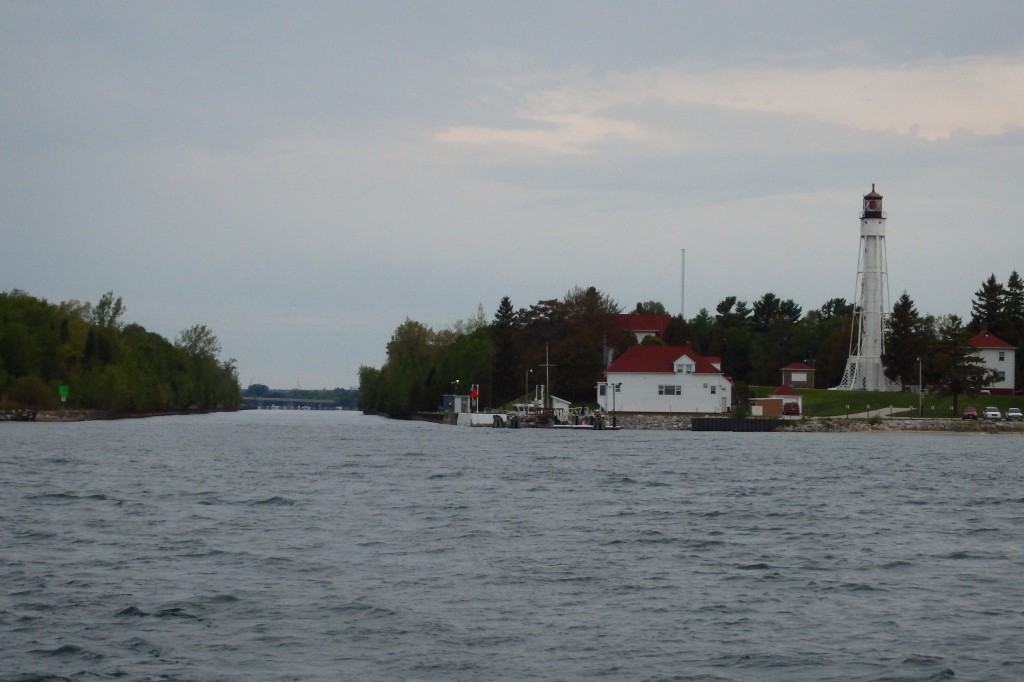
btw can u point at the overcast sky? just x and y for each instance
(304, 176)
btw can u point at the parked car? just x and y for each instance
(993, 413)
(969, 413)
(791, 408)
(1014, 413)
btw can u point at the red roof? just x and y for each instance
(986, 340)
(660, 359)
(798, 365)
(785, 389)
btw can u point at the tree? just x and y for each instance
(765, 310)
(651, 308)
(107, 313)
(835, 307)
(369, 389)
(701, 331)
(579, 354)
(198, 341)
(507, 341)
(409, 378)
(905, 342)
(955, 367)
(257, 390)
(987, 307)
(1013, 322)
(677, 331)
(30, 392)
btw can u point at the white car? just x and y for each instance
(1014, 413)
(992, 413)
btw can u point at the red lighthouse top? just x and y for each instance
(872, 204)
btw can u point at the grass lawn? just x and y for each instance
(820, 402)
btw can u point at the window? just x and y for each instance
(1002, 355)
(602, 389)
(1000, 376)
(670, 390)
(714, 389)
(684, 368)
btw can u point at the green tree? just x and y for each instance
(30, 392)
(198, 341)
(652, 308)
(987, 307)
(702, 329)
(410, 371)
(257, 390)
(108, 311)
(369, 389)
(906, 341)
(1013, 322)
(954, 365)
(507, 341)
(677, 332)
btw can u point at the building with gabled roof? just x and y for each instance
(773, 405)
(1000, 356)
(798, 374)
(665, 379)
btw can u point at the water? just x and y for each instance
(327, 546)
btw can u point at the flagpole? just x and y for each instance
(682, 287)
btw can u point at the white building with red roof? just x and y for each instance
(665, 379)
(997, 355)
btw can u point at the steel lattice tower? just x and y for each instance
(867, 334)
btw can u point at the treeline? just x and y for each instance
(343, 398)
(106, 364)
(568, 339)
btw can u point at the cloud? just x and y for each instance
(928, 100)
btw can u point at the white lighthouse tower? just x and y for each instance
(867, 334)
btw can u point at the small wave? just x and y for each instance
(69, 651)
(361, 609)
(898, 564)
(176, 612)
(223, 599)
(131, 611)
(276, 500)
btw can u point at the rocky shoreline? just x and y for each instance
(100, 415)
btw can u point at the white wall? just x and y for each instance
(990, 356)
(639, 393)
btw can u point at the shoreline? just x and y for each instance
(71, 416)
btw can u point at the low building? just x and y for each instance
(1000, 356)
(775, 404)
(664, 379)
(798, 375)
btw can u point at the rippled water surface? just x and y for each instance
(326, 546)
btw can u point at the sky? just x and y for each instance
(302, 177)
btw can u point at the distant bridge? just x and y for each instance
(290, 403)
